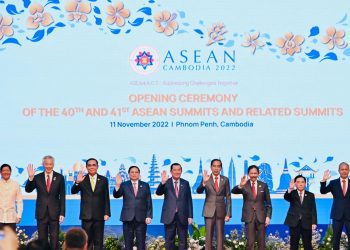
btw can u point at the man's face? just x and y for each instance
(92, 167)
(216, 168)
(134, 174)
(176, 172)
(6, 173)
(253, 174)
(300, 184)
(48, 165)
(343, 171)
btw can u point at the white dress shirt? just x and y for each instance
(10, 196)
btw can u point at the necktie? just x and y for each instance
(134, 184)
(93, 183)
(344, 187)
(216, 184)
(301, 197)
(253, 190)
(176, 190)
(48, 183)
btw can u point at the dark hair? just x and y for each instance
(131, 167)
(212, 161)
(175, 164)
(91, 159)
(38, 245)
(299, 176)
(75, 238)
(4, 166)
(253, 166)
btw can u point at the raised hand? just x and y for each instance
(291, 184)
(164, 177)
(80, 177)
(118, 179)
(31, 171)
(326, 175)
(244, 180)
(205, 177)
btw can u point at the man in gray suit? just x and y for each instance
(257, 209)
(217, 205)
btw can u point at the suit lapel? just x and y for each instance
(221, 183)
(181, 187)
(139, 188)
(171, 186)
(43, 180)
(53, 180)
(88, 183)
(129, 184)
(249, 188)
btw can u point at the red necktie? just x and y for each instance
(176, 190)
(253, 190)
(301, 197)
(344, 187)
(135, 188)
(216, 184)
(48, 183)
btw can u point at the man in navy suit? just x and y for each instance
(50, 201)
(340, 213)
(302, 216)
(137, 208)
(177, 212)
(94, 203)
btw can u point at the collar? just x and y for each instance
(50, 174)
(178, 180)
(8, 181)
(93, 177)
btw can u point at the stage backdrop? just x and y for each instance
(150, 83)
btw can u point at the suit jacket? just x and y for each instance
(93, 204)
(341, 203)
(219, 202)
(52, 203)
(305, 212)
(262, 203)
(139, 207)
(183, 203)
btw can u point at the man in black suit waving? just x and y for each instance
(137, 208)
(177, 212)
(94, 203)
(50, 202)
(302, 215)
(340, 213)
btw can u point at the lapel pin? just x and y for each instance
(140, 186)
(98, 179)
(259, 186)
(305, 194)
(54, 178)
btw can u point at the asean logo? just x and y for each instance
(144, 60)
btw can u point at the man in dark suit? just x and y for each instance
(137, 208)
(257, 209)
(340, 213)
(177, 211)
(217, 204)
(50, 202)
(94, 203)
(302, 216)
